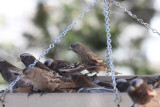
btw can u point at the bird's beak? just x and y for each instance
(69, 48)
(18, 59)
(132, 88)
(153, 93)
(22, 75)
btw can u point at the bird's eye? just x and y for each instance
(73, 46)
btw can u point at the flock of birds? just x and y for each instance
(63, 76)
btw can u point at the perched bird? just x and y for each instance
(63, 67)
(41, 79)
(9, 72)
(122, 84)
(28, 59)
(140, 92)
(81, 81)
(88, 58)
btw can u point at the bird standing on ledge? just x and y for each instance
(140, 92)
(88, 57)
(42, 80)
(92, 62)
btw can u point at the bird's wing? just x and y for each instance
(16, 71)
(94, 57)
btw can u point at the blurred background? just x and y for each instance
(31, 25)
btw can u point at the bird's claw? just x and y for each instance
(94, 77)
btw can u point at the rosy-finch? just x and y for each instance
(63, 67)
(140, 92)
(41, 79)
(28, 59)
(92, 62)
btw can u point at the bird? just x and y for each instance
(41, 79)
(81, 81)
(28, 59)
(64, 68)
(122, 84)
(140, 92)
(87, 57)
(92, 62)
(10, 72)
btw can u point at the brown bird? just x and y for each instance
(81, 81)
(41, 79)
(88, 58)
(63, 67)
(9, 72)
(28, 59)
(140, 92)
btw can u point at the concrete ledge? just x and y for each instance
(74, 99)
(70, 100)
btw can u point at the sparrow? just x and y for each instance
(41, 79)
(87, 57)
(90, 60)
(63, 67)
(10, 72)
(140, 92)
(28, 59)
(122, 84)
(81, 81)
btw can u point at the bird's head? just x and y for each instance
(76, 47)
(121, 80)
(26, 58)
(135, 83)
(2, 61)
(75, 75)
(28, 72)
(48, 62)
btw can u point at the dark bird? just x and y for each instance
(122, 84)
(63, 67)
(9, 73)
(88, 58)
(81, 81)
(140, 92)
(41, 79)
(152, 81)
(28, 59)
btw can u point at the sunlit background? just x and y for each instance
(31, 25)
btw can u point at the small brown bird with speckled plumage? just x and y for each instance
(88, 58)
